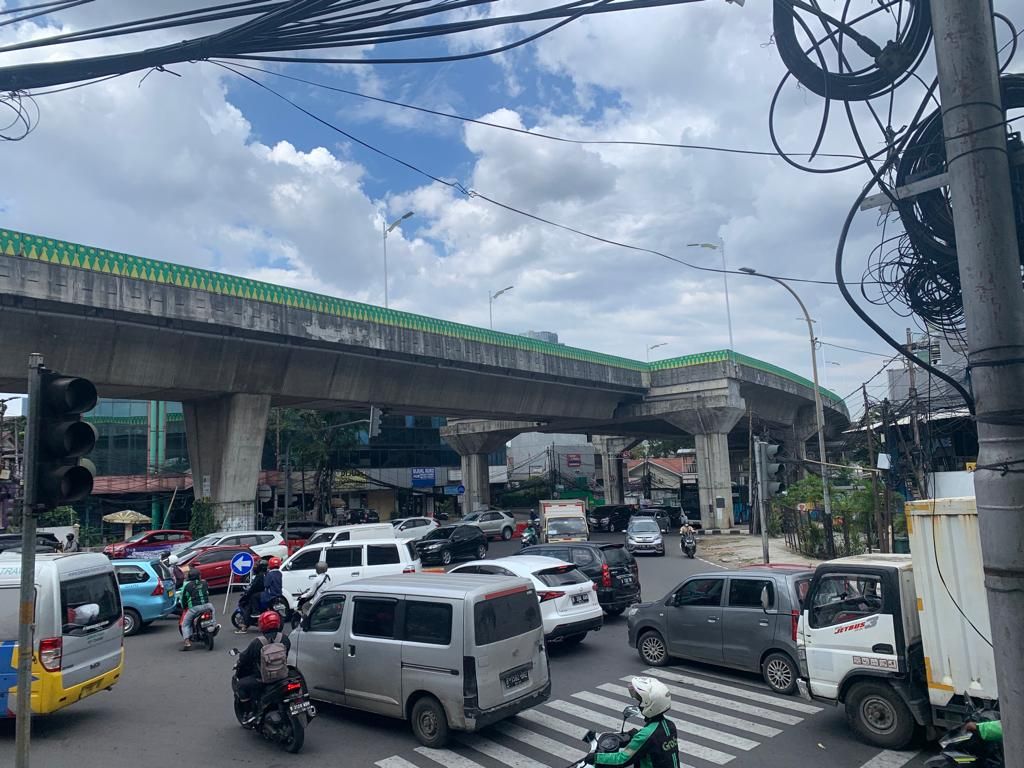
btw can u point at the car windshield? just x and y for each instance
(616, 555)
(192, 546)
(643, 526)
(565, 527)
(137, 537)
(471, 518)
(439, 533)
(396, 523)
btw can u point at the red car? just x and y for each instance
(214, 564)
(147, 544)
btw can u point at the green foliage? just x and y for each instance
(526, 494)
(202, 522)
(56, 517)
(662, 448)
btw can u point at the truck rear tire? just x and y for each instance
(878, 716)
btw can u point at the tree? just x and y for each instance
(314, 439)
(201, 521)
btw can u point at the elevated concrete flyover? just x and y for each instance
(230, 348)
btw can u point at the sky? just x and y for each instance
(198, 166)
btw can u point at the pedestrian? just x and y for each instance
(71, 545)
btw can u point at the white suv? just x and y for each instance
(348, 560)
(263, 543)
(568, 598)
(413, 528)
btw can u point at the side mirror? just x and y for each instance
(765, 599)
(234, 652)
(630, 711)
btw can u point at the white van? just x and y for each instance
(79, 636)
(348, 560)
(361, 531)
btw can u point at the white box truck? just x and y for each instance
(900, 640)
(564, 520)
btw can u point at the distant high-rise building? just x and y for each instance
(549, 336)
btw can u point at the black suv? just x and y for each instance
(45, 542)
(452, 542)
(360, 516)
(609, 566)
(610, 517)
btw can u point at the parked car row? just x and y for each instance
(616, 517)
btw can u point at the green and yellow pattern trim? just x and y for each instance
(35, 247)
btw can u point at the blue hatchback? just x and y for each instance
(147, 592)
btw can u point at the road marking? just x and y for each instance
(686, 747)
(447, 758)
(887, 758)
(732, 705)
(500, 753)
(395, 762)
(543, 743)
(713, 565)
(706, 714)
(684, 726)
(563, 727)
(775, 701)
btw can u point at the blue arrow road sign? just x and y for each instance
(241, 564)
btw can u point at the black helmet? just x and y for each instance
(261, 566)
(193, 574)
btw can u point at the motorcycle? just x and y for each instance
(280, 713)
(529, 537)
(204, 628)
(608, 742)
(279, 604)
(688, 544)
(964, 747)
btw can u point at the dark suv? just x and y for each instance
(360, 516)
(612, 569)
(610, 517)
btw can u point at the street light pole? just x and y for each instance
(720, 246)
(819, 411)
(490, 304)
(386, 229)
(654, 346)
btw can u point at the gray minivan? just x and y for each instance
(746, 619)
(444, 651)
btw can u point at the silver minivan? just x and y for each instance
(446, 652)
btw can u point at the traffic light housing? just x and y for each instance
(62, 475)
(375, 415)
(772, 469)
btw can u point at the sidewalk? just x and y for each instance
(738, 551)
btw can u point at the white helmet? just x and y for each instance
(651, 695)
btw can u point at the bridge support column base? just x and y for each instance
(225, 446)
(611, 449)
(476, 477)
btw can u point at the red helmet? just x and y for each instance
(273, 563)
(270, 621)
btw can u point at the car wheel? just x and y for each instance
(780, 673)
(878, 716)
(481, 552)
(429, 722)
(573, 639)
(652, 649)
(506, 534)
(446, 557)
(132, 622)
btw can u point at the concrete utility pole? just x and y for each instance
(877, 519)
(917, 456)
(990, 279)
(27, 607)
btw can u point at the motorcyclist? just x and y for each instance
(987, 730)
(687, 530)
(655, 745)
(273, 584)
(195, 599)
(530, 534)
(247, 668)
(250, 599)
(306, 598)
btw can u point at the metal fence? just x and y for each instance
(813, 534)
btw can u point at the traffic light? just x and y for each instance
(62, 475)
(772, 469)
(375, 414)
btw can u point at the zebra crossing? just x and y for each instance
(717, 722)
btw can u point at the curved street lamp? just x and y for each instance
(386, 229)
(490, 303)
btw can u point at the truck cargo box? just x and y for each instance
(945, 545)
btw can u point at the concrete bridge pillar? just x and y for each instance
(805, 426)
(473, 440)
(225, 446)
(611, 449)
(710, 428)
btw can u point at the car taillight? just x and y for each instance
(551, 595)
(606, 575)
(293, 687)
(796, 622)
(159, 590)
(50, 651)
(206, 616)
(469, 687)
(593, 586)
(409, 569)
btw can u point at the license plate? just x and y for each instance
(299, 707)
(515, 679)
(209, 624)
(626, 579)
(580, 599)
